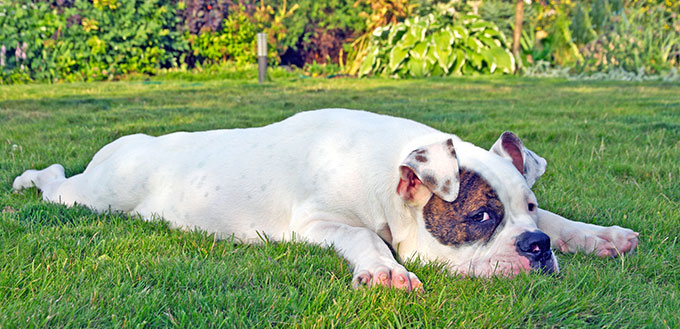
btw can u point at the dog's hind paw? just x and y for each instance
(25, 180)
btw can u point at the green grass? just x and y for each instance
(614, 159)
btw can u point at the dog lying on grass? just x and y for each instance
(363, 183)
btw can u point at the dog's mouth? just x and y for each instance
(508, 266)
(535, 247)
(505, 268)
(546, 263)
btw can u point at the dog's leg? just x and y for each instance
(371, 259)
(570, 236)
(47, 180)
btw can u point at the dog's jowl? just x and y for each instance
(351, 179)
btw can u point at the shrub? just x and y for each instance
(121, 37)
(436, 46)
(643, 37)
(27, 41)
(89, 40)
(203, 15)
(236, 41)
(581, 28)
(382, 13)
(310, 30)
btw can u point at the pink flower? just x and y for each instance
(20, 52)
(2, 55)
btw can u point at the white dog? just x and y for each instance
(360, 182)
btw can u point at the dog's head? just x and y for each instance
(475, 208)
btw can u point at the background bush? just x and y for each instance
(438, 45)
(604, 35)
(622, 43)
(86, 40)
(75, 40)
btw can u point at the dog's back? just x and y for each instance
(244, 181)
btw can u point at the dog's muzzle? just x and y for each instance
(535, 246)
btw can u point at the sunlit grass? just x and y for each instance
(614, 159)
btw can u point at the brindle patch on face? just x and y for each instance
(453, 223)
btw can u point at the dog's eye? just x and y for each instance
(531, 206)
(481, 216)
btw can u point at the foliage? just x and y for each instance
(642, 37)
(382, 13)
(600, 35)
(437, 46)
(203, 15)
(599, 14)
(308, 30)
(327, 69)
(27, 40)
(89, 40)
(553, 39)
(133, 36)
(236, 41)
(221, 71)
(75, 40)
(582, 30)
(502, 13)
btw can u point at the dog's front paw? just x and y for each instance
(397, 277)
(617, 241)
(604, 242)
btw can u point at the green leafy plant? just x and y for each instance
(581, 27)
(236, 41)
(27, 32)
(600, 13)
(84, 40)
(643, 38)
(554, 37)
(200, 16)
(308, 30)
(327, 69)
(381, 13)
(131, 36)
(437, 46)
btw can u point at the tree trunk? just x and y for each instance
(517, 33)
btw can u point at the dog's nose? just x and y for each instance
(533, 242)
(535, 246)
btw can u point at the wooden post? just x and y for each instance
(261, 57)
(517, 33)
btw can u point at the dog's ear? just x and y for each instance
(529, 164)
(429, 169)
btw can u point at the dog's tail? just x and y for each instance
(46, 180)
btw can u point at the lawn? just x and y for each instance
(613, 154)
